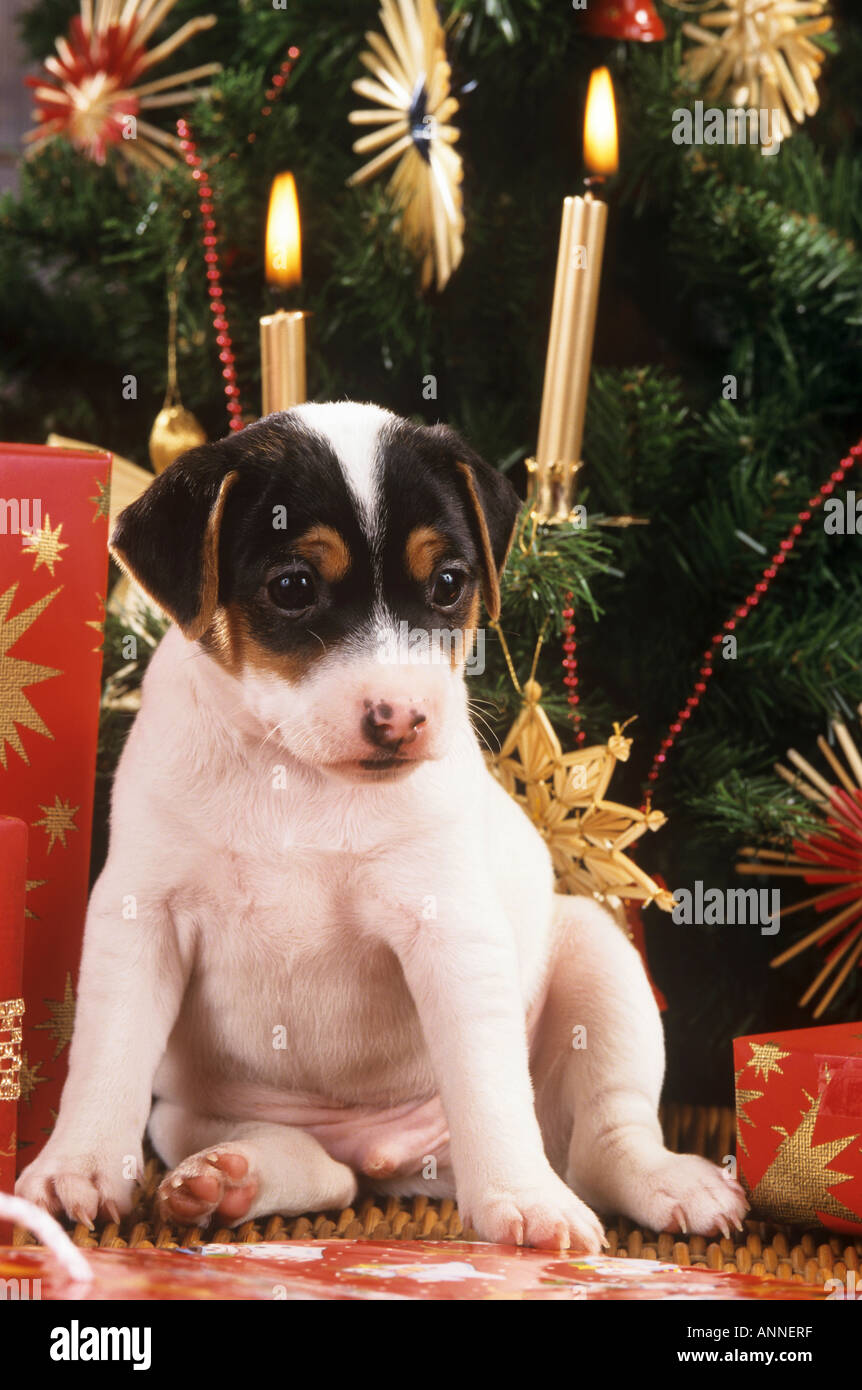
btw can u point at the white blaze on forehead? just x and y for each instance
(353, 430)
(375, 638)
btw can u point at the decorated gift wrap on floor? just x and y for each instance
(799, 1124)
(53, 571)
(377, 1271)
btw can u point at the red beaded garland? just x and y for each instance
(279, 82)
(570, 666)
(213, 275)
(210, 243)
(777, 560)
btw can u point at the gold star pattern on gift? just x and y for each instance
(98, 624)
(410, 83)
(743, 1098)
(45, 544)
(62, 1019)
(564, 796)
(57, 821)
(33, 883)
(795, 1186)
(759, 54)
(102, 500)
(55, 1115)
(765, 1058)
(29, 1077)
(16, 675)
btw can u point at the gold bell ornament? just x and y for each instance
(175, 429)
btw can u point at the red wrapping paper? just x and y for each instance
(799, 1125)
(53, 572)
(382, 1271)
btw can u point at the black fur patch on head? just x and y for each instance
(291, 482)
(423, 485)
(288, 480)
(285, 480)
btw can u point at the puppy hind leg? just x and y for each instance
(604, 1081)
(238, 1170)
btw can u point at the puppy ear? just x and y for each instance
(168, 540)
(493, 505)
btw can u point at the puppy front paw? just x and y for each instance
(684, 1192)
(547, 1216)
(83, 1184)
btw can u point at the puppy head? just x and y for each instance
(332, 559)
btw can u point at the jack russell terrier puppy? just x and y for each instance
(326, 948)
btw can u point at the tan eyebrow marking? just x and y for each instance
(424, 549)
(327, 550)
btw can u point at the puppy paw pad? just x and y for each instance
(216, 1182)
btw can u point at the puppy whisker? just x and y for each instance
(478, 716)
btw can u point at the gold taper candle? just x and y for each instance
(573, 317)
(282, 360)
(573, 321)
(282, 334)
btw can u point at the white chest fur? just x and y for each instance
(284, 890)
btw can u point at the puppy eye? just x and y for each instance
(294, 591)
(448, 587)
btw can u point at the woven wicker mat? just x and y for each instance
(807, 1256)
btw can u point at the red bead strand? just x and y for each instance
(277, 86)
(707, 668)
(570, 668)
(213, 274)
(210, 242)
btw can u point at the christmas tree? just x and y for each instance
(724, 390)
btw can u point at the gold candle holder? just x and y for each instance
(282, 359)
(550, 490)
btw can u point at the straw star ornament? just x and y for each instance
(828, 860)
(90, 94)
(409, 83)
(758, 53)
(564, 796)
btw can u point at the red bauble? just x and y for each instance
(623, 19)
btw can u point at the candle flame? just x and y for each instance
(283, 241)
(600, 125)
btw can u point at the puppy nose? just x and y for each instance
(391, 725)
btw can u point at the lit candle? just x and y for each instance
(282, 334)
(573, 317)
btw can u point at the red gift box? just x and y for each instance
(799, 1124)
(53, 572)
